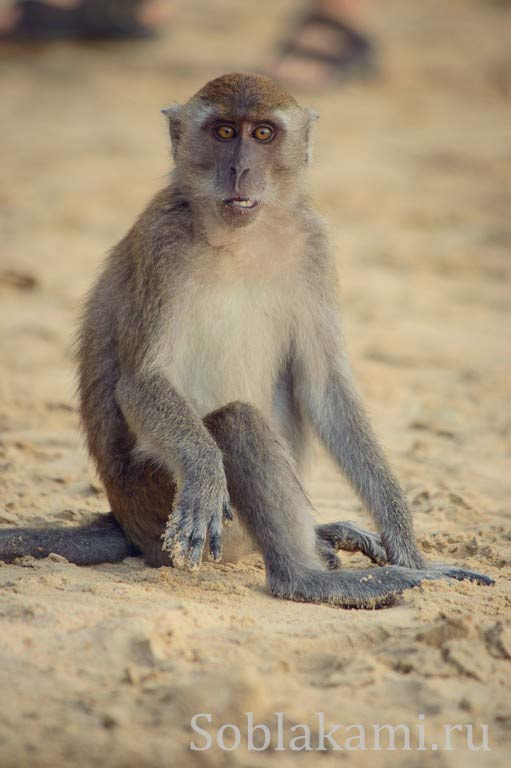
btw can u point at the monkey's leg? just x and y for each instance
(274, 508)
(349, 537)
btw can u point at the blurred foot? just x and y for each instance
(40, 21)
(323, 49)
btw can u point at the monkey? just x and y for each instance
(210, 353)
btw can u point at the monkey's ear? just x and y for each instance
(173, 113)
(310, 117)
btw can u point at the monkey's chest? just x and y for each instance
(230, 347)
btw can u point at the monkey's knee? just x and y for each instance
(238, 425)
(237, 415)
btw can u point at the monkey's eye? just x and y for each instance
(225, 132)
(263, 133)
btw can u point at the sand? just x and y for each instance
(105, 666)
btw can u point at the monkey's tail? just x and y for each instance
(100, 542)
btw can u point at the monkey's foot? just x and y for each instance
(368, 588)
(348, 537)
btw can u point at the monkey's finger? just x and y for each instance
(227, 514)
(215, 547)
(215, 538)
(171, 530)
(195, 553)
(177, 559)
(168, 537)
(177, 554)
(175, 545)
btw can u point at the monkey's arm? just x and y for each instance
(340, 421)
(325, 392)
(168, 430)
(323, 387)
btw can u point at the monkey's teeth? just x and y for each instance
(241, 203)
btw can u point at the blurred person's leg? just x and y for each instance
(40, 20)
(326, 44)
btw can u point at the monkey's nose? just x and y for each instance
(238, 172)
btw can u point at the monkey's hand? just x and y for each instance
(346, 536)
(200, 509)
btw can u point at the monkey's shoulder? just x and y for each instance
(317, 244)
(140, 270)
(165, 226)
(314, 226)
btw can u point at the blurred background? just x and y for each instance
(411, 169)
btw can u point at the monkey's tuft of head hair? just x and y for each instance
(251, 94)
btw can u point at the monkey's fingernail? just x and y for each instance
(216, 554)
(195, 553)
(215, 548)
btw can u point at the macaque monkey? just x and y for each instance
(210, 349)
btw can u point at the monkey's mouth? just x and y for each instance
(240, 203)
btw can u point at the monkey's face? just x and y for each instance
(238, 156)
(241, 147)
(238, 166)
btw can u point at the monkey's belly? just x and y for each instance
(229, 351)
(208, 391)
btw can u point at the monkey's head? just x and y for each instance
(240, 145)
